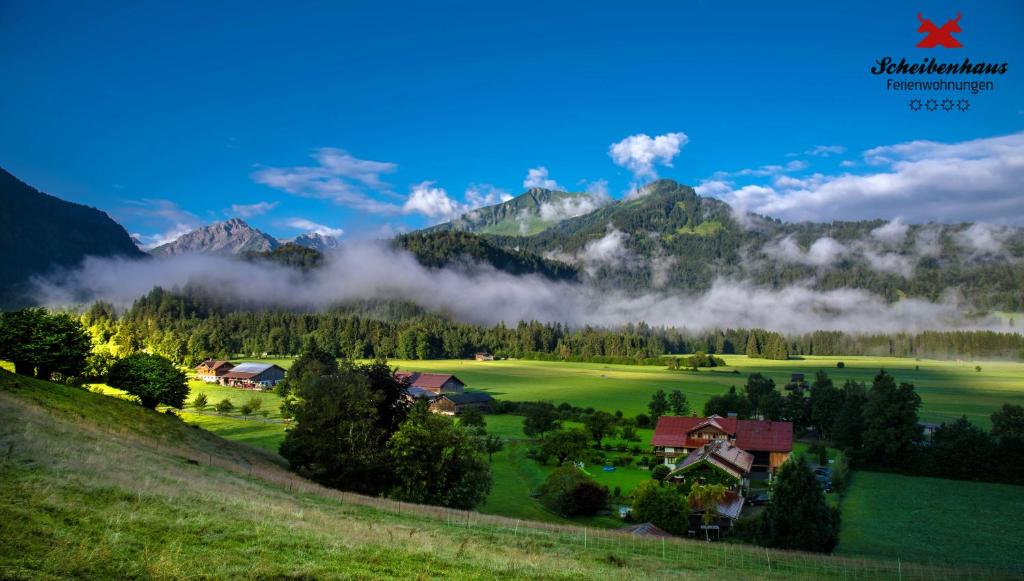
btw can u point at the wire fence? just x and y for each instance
(679, 555)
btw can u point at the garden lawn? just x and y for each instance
(931, 520)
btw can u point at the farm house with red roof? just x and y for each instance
(769, 443)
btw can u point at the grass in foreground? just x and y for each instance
(97, 487)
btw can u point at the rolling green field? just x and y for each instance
(932, 520)
(948, 389)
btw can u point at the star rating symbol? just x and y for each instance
(947, 104)
(931, 104)
(915, 104)
(963, 105)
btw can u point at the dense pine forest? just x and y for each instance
(190, 325)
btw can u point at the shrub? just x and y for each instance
(200, 401)
(569, 492)
(224, 406)
(643, 421)
(840, 364)
(819, 451)
(617, 493)
(660, 472)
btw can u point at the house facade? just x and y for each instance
(254, 376)
(212, 370)
(453, 404)
(769, 443)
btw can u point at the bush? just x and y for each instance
(224, 406)
(840, 364)
(643, 421)
(569, 492)
(660, 472)
(200, 401)
(819, 451)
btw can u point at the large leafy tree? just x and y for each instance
(658, 405)
(43, 343)
(336, 438)
(1008, 422)
(564, 445)
(677, 400)
(798, 517)
(665, 506)
(540, 418)
(436, 461)
(151, 378)
(599, 424)
(891, 429)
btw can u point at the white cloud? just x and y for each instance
(432, 202)
(248, 210)
(976, 180)
(537, 177)
(578, 205)
(825, 150)
(310, 226)
(479, 195)
(362, 271)
(338, 176)
(893, 234)
(983, 239)
(823, 252)
(610, 249)
(640, 153)
(171, 219)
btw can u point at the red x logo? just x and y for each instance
(939, 35)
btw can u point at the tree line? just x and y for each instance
(190, 324)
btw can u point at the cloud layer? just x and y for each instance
(921, 181)
(640, 153)
(484, 295)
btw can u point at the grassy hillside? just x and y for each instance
(97, 487)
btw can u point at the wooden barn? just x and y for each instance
(436, 383)
(452, 404)
(254, 376)
(212, 370)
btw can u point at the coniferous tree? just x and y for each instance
(848, 427)
(798, 517)
(891, 429)
(658, 405)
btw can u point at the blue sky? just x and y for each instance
(377, 117)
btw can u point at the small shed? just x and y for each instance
(453, 404)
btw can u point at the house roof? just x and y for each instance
(426, 380)
(468, 397)
(645, 529)
(731, 506)
(753, 435)
(722, 454)
(249, 370)
(214, 364)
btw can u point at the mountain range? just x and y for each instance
(662, 237)
(236, 237)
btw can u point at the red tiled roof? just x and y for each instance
(752, 435)
(213, 364)
(426, 380)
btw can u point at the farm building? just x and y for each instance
(483, 357)
(452, 404)
(770, 443)
(253, 375)
(717, 462)
(436, 383)
(645, 529)
(212, 370)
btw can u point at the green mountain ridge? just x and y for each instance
(40, 232)
(521, 216)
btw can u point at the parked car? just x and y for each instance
(759, 499)
(823, 471)
(824, 481)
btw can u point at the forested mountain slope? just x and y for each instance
(40, 232)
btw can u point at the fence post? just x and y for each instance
(515, 532)
(769, 557)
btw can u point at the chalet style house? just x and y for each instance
(768, 443)
(212, 370)
(717, 450)
(253, 376)
(446, 393)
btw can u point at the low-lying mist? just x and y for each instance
(484, 295)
